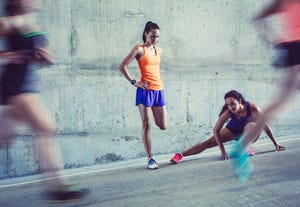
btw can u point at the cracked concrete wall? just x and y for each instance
(209, 48)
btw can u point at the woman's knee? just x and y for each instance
(146, 124)
(46, 129)
(249, 126)
(162, 126)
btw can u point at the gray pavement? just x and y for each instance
(200, 180)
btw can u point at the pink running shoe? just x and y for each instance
(176, 158)
(250, 151)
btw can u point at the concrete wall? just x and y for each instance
(210, 47)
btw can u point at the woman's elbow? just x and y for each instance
(122, 67)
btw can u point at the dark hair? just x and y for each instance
(233, 94)
(148, 27)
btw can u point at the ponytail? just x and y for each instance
(148, 27)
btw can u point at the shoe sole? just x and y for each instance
(61, 201)
(174, 162)
(153, 168)
(65, 199)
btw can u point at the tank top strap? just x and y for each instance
(144, 48)
(156, 51)
(248, 109)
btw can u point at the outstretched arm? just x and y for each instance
(256, 112)
(13, 57)
(270, 134)
(44, 55)
(218, 126)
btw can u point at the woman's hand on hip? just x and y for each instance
(142, 84)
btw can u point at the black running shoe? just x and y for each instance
(65, 194)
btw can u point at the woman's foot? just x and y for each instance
(251, 151)
(66, 193)
(176, 158)
(152, 165)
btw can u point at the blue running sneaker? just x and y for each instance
(152, 165)
(240, 163)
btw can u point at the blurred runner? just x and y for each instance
(289, 41)
(26, 46)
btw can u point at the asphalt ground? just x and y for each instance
(200, 180)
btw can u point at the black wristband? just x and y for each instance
(133, 81)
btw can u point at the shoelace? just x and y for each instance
(151, 162)
(178, 157)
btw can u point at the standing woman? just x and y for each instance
(290, 42)
(27, 45)
(149, 92)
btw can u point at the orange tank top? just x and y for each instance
(291, 20)
(150, 70)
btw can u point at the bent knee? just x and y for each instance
(162, 126)
(250, 126)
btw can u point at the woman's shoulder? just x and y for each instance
(253, 106)
(225, 115)
(138, 48)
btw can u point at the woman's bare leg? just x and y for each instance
(160, 116)
(6, 125)
(290, 85)
(29, 108)
(146, 125)
(225, 136)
